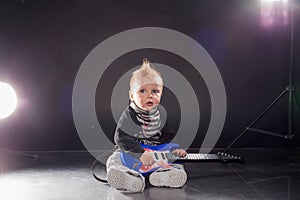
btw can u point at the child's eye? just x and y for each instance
(155, 91)
(142, 91)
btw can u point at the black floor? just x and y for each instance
(267, 174)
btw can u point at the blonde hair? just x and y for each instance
(146, 74)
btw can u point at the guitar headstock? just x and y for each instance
(226, 158)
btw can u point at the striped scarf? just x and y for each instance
(149, 120)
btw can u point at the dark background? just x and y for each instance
(43, 43)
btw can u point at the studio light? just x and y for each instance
(266, 1)
(8, 100)
(274, 0)
(8, 104)
(274, 12)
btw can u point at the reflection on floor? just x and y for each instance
(267, 174)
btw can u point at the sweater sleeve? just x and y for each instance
(124, 138)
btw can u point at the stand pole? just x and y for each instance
(291, 78)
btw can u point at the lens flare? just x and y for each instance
(274, 12)
(8, 100)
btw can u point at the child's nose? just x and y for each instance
(150, 94)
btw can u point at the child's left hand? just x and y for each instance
(180, 152)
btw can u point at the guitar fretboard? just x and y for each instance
(222, 157)
(193, 156)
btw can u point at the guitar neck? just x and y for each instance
(204, 157)
(193, 157)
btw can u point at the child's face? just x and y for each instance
(147, 96)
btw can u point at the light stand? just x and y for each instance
(19, 153)
(8, 103)
(15, 153)
(289, 89)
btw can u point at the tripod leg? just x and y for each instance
(255, 120)
(19, 153)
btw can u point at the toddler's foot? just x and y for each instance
(127, 181)
(174, 178)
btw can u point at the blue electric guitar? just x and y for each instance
(163, 158)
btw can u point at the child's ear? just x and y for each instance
(130, 95)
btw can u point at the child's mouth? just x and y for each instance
(149, 103)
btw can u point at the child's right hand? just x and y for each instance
(146, 159)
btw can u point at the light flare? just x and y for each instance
(274, 12)
(8, 100)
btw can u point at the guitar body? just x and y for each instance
(135, 164)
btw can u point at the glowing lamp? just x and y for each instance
(274, 0)
(274, 12)
(8, 100)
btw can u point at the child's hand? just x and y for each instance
(180, 152)
(147, 159)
